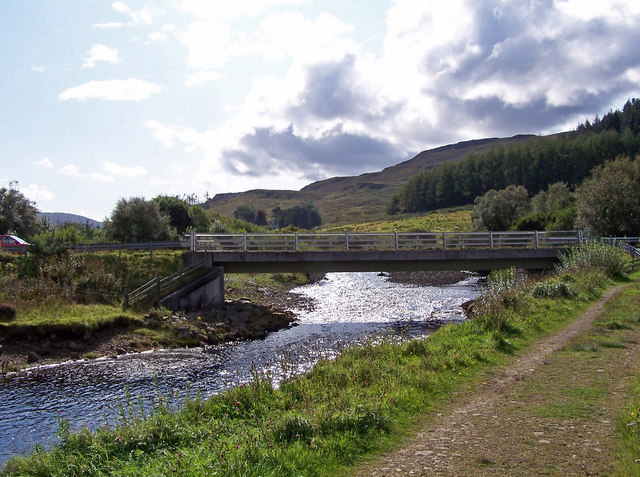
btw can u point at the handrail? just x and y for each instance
(398, 241)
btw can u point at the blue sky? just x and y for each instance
(103, 100)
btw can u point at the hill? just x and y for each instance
(61, 218)
(352, 199)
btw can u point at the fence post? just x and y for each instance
(491, 238)
(346, 241)
(192, 241)
(396, 234)
(537, 240)
(244, 241)
(444, 240)
(296, 241)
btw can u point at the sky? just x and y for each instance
(106, 100)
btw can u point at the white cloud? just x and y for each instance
(141, 16)
(108, 25)
(98, 53)
(200, 78)
(45, 163)
(126, 171)
(70, 170)
(132, 89)
(38, 69)
(157, 36)
(36, 193)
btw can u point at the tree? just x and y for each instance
(200, 219)
(609, 202)
(137, 220)
(18, 215)
(306, 216)
(498, 210)
(177, 210)
(246, 213)
(261, 218)
(557, 196)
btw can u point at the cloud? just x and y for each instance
(202, 77)
(144, 15)
(108, 25)
(446, 72)
(45, 163)
(157, 36)
(38, 69)
(71, 170)
(126, 171)
(267, 151)
(36, 193)
(132, 89)
(98, 53)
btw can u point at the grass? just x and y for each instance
(444, 220)
(318, 423)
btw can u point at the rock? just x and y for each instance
(469, 308)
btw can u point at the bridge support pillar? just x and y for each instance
(207, 290)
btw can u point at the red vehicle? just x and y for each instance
(13, 244)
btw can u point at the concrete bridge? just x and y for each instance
(357, 252)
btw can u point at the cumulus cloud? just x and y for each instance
(132, 89)
(45, 163)
(71, 170)
(126, 171)
(143, 15)
(38, 68)
(446, 72)
(98, 53)
(38, 194)
(108, 25)
(267, 151)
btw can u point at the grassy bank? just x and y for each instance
(343, 410)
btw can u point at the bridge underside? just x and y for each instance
(376, 261)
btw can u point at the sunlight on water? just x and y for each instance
(349, 308)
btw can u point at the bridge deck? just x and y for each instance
(272, 262)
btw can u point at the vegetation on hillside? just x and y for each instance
(535, 165)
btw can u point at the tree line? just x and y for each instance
(306, 216)
(568, 158)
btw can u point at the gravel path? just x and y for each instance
(515, 422)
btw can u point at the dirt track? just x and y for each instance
(523, 419)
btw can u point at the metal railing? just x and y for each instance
(99, 247)
(394, 241)
(158, 287)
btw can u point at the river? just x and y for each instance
(349, 308)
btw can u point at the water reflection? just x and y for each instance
(349, 307)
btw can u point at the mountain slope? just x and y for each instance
(60, 218)
(352, 199)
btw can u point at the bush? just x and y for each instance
(7, 312)
(552, 289)
(611, 260)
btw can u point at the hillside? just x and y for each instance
(61, 218)
(353, 199)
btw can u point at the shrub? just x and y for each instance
(552, 289)
(611, 260)
(7, 312)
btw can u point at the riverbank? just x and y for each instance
(257, 306)
(513, 422)
(364, 400)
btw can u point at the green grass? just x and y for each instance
(318, 423)
(445, 220)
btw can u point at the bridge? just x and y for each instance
(357, 252)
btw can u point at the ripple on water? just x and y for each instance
(349, 307)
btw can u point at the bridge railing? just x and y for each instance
(398, 241)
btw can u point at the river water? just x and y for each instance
(349, 308)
